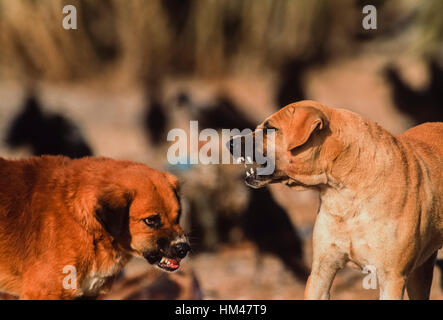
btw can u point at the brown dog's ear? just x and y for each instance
(113, 209)
(172, 180)
(304, 120)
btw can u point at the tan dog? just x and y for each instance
(381, 194)
(61, 218)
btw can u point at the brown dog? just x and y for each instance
(83, 219)
(381, 194)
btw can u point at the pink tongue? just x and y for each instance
(173, 263)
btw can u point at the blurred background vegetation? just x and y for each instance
(145, 38)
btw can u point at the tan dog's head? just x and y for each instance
(300, 147)
(140, 209)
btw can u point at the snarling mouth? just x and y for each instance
(163, 262)
(169, 264)
(252, 178)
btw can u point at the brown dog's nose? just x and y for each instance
(181, 249)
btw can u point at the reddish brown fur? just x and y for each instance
(48, 208)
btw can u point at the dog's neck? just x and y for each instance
(359, 172)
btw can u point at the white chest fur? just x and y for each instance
(92, 283)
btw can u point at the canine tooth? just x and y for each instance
(247, 174)
(252, 170)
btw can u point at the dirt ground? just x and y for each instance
(233, 273)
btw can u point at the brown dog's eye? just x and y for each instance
(153, 221)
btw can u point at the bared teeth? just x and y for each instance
(170, 264)
(240, 160)
(165, 260)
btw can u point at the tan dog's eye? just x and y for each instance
(272, 128)
(153, 221)
(268, 126)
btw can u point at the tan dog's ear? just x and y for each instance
(304, 120)
(113, 209)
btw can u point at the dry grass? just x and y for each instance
(431, 25)
(146, 38)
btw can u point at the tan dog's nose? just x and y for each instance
(230, 145)
(241, 149)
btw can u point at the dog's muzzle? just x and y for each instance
(168, 255)
(252, 178)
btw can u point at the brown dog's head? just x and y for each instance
(300, 132)
(140, 209)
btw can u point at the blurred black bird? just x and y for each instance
(291, 76)
(268, 226)
(45, 133)
(222, 113)
(425, 105)
(156, 121)
(156, 118)
(291, 87)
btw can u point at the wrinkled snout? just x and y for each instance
(251, 151)
(168, 254)
(242, 147)
(180, 249)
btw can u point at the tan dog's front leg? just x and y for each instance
(319, 283)
(327, 259)
(324, 269)
(392, 286)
